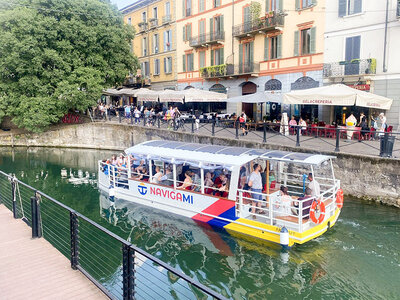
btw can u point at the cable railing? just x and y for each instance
(118, 268)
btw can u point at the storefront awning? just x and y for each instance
(147, 95)
(171, 96)
(339, 95)
(196, 95)
(260, 97)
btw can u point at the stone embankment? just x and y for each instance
(365, 177)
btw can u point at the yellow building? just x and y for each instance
(155, 41)
(243, 46)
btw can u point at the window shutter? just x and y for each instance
(312, 40)
(169, 34)
(296, 43)
(189, 32)
(211, 25)
(165, 40)
(279, 45)
(251, 58)
(184, 63)
(297, 4)
(165, 65)
(183, 8)
(170, 64)
(267, 6)
(357, 6)
(212, 57)
(184, 33)
(314, 2)
(280, 8)
(152, 44)
(222, 23)
(266, 48)
(240, 58)
(342, 8)
(221, 55)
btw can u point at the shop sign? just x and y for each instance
(362, 87)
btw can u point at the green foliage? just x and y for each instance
(255, 10)
(212, 71)
(57, 56)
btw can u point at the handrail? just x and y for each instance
(129, 293)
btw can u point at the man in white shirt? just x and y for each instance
(255, 182)
(313, 185)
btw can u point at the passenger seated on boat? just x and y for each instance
(224, 189)
(140, 167)
(121, 160)
(196, 182)
(158, 175)
(187, 183)
(167, 178)
(242, 177)
(114, 160)
(284, 204)
(208, 183)
(306, 200)
(313, 185)
(143, 174)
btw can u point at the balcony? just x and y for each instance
(143, 26)
(348, 68)
(230, 70)
(270, 23)
(207, 39)
(166, 19)
(153, 23)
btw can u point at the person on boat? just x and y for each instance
(121, 160)
(314, 186)
(187, 183)
(140, 166)
(220, 180)
(285, 202)
(255, 183)
(242, 177)
(167, 178)
(306, 200)
(158, 175)
(224, 189)
(114, 160)
(196, 182)
(208, 183)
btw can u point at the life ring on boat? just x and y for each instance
(321, 209)
(339, 198)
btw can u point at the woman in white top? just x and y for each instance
(284, 206)
(158, 175)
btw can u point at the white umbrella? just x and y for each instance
(171, 96)
(196, 95)
(259, 97)
(110, 92)
(147, 95)
(337, 94)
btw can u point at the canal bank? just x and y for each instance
(366, 177)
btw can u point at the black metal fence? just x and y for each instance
(120, 269)
(319, 138)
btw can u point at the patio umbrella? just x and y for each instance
(171, 96)
(147, 95)
(126, 92)
(259, 97)
(196, 95)
(110, 92)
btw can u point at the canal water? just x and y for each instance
(357, 259)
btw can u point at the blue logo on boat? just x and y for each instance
(142, 189)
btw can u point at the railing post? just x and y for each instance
(213, 126)
(14, 200)
(131, 115)
(265, 132)
(158, 121)
(237, 128)
(298, 136)
(192, 124)
(144, 119)
(128, 272)
(73, 220)
(337, 149)
(174, 124)
(35, 211)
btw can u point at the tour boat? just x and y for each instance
(284, 216)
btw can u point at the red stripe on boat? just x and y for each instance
(216, 209)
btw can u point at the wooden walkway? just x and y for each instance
(34, 269)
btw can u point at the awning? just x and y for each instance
(171, 96)
(339, 95)
(110, 92)
(147, 95)
(260, 97)
(196, 95)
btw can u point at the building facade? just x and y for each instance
(242, 47)
(155, 42)
(362, 42)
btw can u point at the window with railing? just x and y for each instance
(187, 8)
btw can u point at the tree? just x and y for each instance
(57, 56)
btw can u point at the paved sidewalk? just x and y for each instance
(34, 269)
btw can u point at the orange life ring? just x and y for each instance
(339, 198)
(314, 206)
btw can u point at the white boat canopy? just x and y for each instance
(259, 97)
(339, 95)
(181, 152)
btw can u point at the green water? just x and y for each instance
(357, 259)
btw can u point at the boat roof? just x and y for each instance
(219, 155)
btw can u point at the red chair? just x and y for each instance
(331, 131)
(314, 129)
(389, 129)
(357, 133)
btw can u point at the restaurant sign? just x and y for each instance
(362, 87)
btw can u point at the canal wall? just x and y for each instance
(366, 177)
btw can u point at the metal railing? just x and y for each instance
(94, 250)
(153, 23)
(207, 38)
(254, 26)
(325, 138)
(143, 26)
(347, 68)
(166, 19)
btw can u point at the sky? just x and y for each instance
(122, 3)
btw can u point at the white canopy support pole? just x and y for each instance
(313, 179)
(174, 174)
(129, 167)
(202, 179)
(150, 169)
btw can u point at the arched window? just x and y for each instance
(248, 87)
(189, 87)
(273, 85)
(303, 83)
(219, 88)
